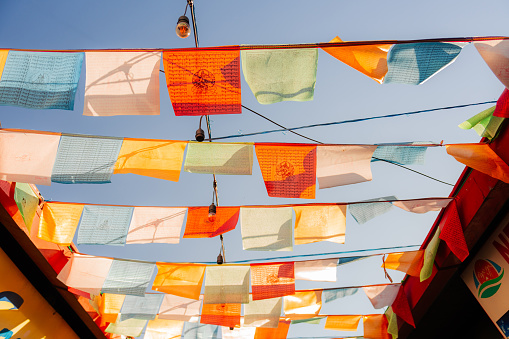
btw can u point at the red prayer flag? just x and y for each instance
(401, 307)
(452, 232)
(200, 225)
(272, 280)
(502, 108)
(227, 315)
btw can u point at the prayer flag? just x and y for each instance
(414, 64)
(320, 223)
(128, 277)
(156, 225)
(179, 308)
(122, 83)
(422, 205)
(429, 256)
(375, 326)
(392, 327)
(401, 307)
(274, 333)
(129, 327)
(343, 165)
(160, 159)
(288, 171)
(266, 229)
(58, 222)
(110, 306)
(200, 331)
(104, 225)
(41, 80)
(145, 307)
(408, 262)
(303, 302)
(3, 58)
(203, 82)
(221, 314)
(184, 280)
(27, 157)
(481, 158)
(403, 155)
(164, 329)
(316, 270)
(496, 55)
(382, 295)
(484, 123)
(263, 313)
(281, 75)
(329, 295)
(226, 284)
(451, 231)
(502, 107)
(370, 60)
(200, 225)
(365, 211)
(272, 280)
(241, 332)
(342, 322)
(85, 273)
(27, 202)
(219, 158)
(310, 321)
(85, 159)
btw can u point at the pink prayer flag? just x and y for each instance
(422, 205)
(496, 55)
(180, 308)
(156, 225)
(382, 295)
(316, 270)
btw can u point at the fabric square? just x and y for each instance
(129, 327)
(263, 313)
(320, 223)
(429, 256)
(317, 270)
(226, 284)
(85, 159)
(422, 205)
(266, 229)
(164, 329)
(329, 295)
(184, 280)
(219, 158)
(179, 308)
(27, 202)
(303, 302)
(401, 307)
(128, 277)
(104, 225)
(496, 55)
(281, 332)
(414, 64)
(502, 107)
(451, 231)
(342, 322)
(365, 211)
(408, 262)
(145, 307)
(281, 75)
(403, 155)
(27, 157)
(382, 295)
(200, 225)
(221, 314)
(201, 331)
(41, 80)
(160, 159)
(203, 82)
(392, 319)
(122, 83)
(288, 171)
(272, 280)
(109, 306)
(484, 123)
(156, 225)
(375, 326)
(58, 222)
(310, 321)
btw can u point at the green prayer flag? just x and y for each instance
(27, 202)
(392, 318)
(313, 321)
(484, 123)
(429, 256)
(129, 327)
(219, 158)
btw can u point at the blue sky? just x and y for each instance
(341, 93)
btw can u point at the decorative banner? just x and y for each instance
(364, 212)
(263, 313)
(496, 55)
(429, 256)
(403, 155)
(392, 327)
(375, 326)
(303, 302)
(370, 60)
(281, 75)
(104, 225)
(329, 295)
(280, 332)
(422, 205)
(200, 331)
(152, 158)
(414, 64)
(85, 159)
(343, 165)
(129, 327)
(320, 223)
(179, 308)
(266, 229)
(163, 329)
(401, 307)
(221, 314)
(227, 284)
(156, 225)
(316, 270)
(451, 232)
(145, 307)
(219, 158)
(59, 221)
(109, 306)
(122, 83)
(128, 277)
(27, 157)
(27, 202)
(502, 107)
(272, 280)
(343, 322)
(408, 262)
(41, 80)
(311, 321)
(382, 295)
(201, 225)
(484, 123)
(203, 82)
(288, 171)
(3, 57)
(184, 280)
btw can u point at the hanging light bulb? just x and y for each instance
(212, 212)
(199, 135)
(183, 29)
(219, 259)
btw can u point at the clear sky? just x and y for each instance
(341, 93)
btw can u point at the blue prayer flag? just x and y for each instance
(104, 225)
(128, 277)
(145, 307)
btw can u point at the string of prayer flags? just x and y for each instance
(280, 332)
(85, 159)
(27, 157)
(200, 331)
(263, 313)
(364, 212)
(27, 202)
(200, 225)
(160, 159)
(266, 229)
(3, 58)
(219, 158)
(422, 205)
(502, 107)
(178, 308)
(156, 225)
(110, 306)
(128, 277)
(280, 75)
(163, 329)
(221, 314)
(496, 55)
(403, 155)
(370, 60)
(408, 262)
(59, 221)
(320, 223)
(242, 332)
(226, 284)
(401, 307)
(288, 171)
(184, 280)
(104, 225)
(303, 302)
(129, 327)
(329, 295)
(481, 158)
(343, 322)
(122, 83)
(317, 270)
(392, 319)
(41, 80)
(272, 280)
(203, 82)
(451, 231)
(375, 326)
(414, 64)
(429, 256)
(382, 295)
(145, 307)
(86, 273)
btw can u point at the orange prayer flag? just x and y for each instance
(375, 326)
(109, 307)
(342, 322)
(288, 171)
(408, 262)
(320, 223)
(199, 225)
(221, 314)
(272, 280)
(274, 333)
(303, 302)
(368, 59)
(59, 221)
(203, 82)
(184, 280)
(481, 158)
(3, 58)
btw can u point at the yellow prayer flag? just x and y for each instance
(167, 329)
(303, 302)
(3, 58)
(184, 280)
(408, 262)
(320, 223)
(59, 222)
(342, 322)
(109, 307)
